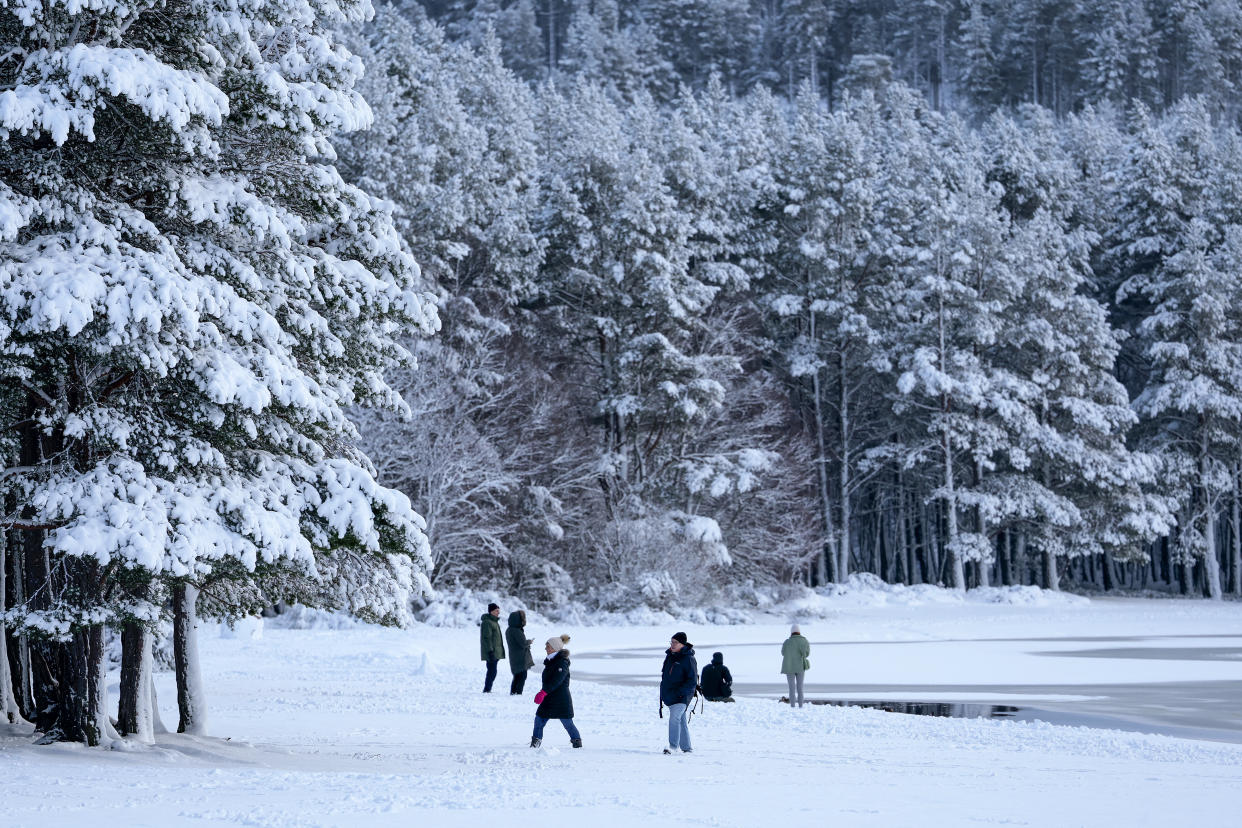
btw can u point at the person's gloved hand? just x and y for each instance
(540, 696)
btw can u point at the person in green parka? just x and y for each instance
(795, 655)
(520, 658)
(491, 643)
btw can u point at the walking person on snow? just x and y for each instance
(520, 659)
(678, 678)
(554, 699)
(795, 654)
(491, 643)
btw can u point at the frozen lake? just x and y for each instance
(1168, 694)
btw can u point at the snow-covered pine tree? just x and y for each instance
(825, 281)
(740, 466)
(980, 71)
(618, 49)
(456, 153)
(1192, 403)
(517, 28)
(191, 297)
(1072, 487)
(958, 289)
(1120, 61)
(1210, 36)
(702, 38)
(806, 26)
(1167, 245)
(627, 314)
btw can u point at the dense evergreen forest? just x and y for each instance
(967, 55)
(748, 292)
(688, 300)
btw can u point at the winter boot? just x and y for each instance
(668, 752)
(575, 742)
(534, 742)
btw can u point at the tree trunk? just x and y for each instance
(23, 687)
(9, 711)
(45, 654)
(903, 542)
(1052, 580)
(956, 571)
(82, 712)
(1110, 571)
(551, 38)
(25, 681)
(1166, 574)
(957, 575)
(37, 587)
(884, 553)
(1005, 565)
(918, 544)
(844, 542)
(1020, 563)
(190, 702)
(825, 502)
(134, 708)
(932, 545)
(1211, 566)
(1235, 568)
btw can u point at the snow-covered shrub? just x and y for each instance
(463, 607)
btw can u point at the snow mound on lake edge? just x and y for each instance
(865, 590)
(462, 607)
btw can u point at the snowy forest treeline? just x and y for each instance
(700, 341)
(693, 321)
(969, 55)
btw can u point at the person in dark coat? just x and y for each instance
(678, 679)
(520, 659)
(556, 703)
(716, 681)
(491, 643)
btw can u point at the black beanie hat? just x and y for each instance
(491, 607)
(680, 636)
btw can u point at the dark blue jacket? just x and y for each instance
(679, 676)
(558, 704)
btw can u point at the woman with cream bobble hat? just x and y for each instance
(795, 661)
(554, 699)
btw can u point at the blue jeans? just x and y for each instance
(678, 727)
(569, 728)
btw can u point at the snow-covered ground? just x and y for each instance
(377, 727)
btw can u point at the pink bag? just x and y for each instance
(540, 696)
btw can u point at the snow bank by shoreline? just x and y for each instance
(461, 607)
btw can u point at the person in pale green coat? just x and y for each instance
(795, 654)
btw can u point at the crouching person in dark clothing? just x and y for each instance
(554, 699)
(717, 681)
